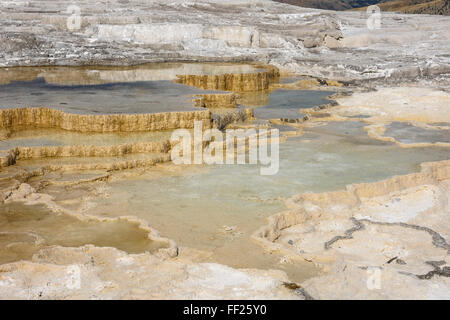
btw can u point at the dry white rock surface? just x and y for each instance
(320, 43)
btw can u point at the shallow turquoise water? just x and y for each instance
(126, 97)
(191, 207)
(217, 208)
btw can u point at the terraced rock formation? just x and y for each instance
(373, 238)
(392, 229)
(385, 239)
(243, 82)
(51, 118)
(15, 120)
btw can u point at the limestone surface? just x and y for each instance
(382, 240)
(327, 44)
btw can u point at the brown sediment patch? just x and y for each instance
(294, 123)
(51, 118)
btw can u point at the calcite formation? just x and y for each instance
(21, 118)
(18, 192)
(295, 39)
(10, 157)
(91, 272)
(216, 100)
(396, 227)
(256, 81)
(96, 75)
(386, 239)
(17, 119)
(424, 109)
(53, 118)
(94, 163)
(413, 104)
(166, 33)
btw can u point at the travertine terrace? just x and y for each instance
(66, 167)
